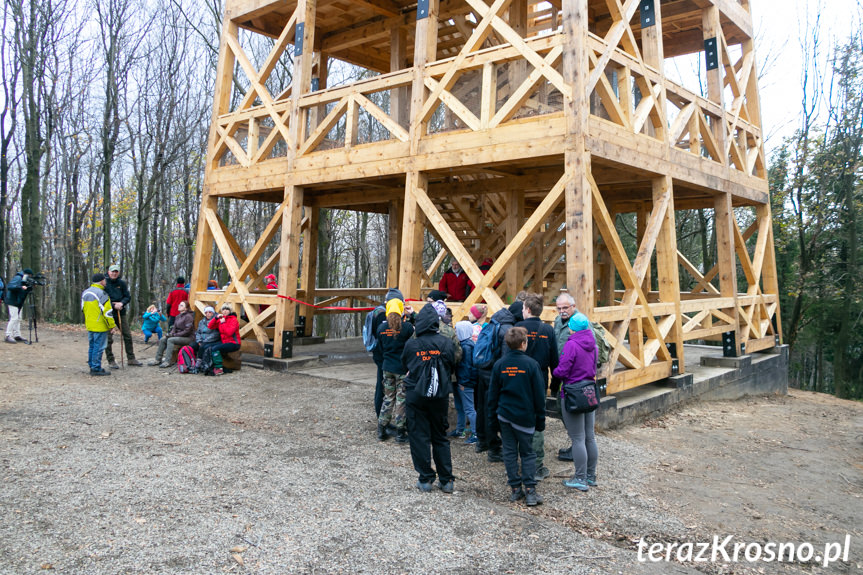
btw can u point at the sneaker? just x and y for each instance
(542, 473)
(134, 361)
(471, 439)
(165, 364)
(113, 365)
(402, 436)
(516, 494)
(154, 362)
(382, 433)
(576, 483)
(424, 487)
(20, 339)
(565, 454)
(495, 456)
(531, 497)
(466, 433)
(455, 433)
(446, 487)
(10, 339)
(591, 481)
(99, 372)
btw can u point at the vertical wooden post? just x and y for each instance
(667, 275)
(642, 216)
(579, 207)
(321, 64)
(606, 281)
(399, 100)
(425, 51)
(291, 220)
(288, 266)
(518, 22)
(394, 255)
(310, 265)
(221, 105)
(653, 53)
(769, 277)
(715, 86)
(724, 215)
(514, 275)
(410, 274)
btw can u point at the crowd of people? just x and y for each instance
(105, 304)
(498, 369)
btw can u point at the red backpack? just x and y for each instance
(186, 360)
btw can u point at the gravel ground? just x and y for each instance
(150, 471)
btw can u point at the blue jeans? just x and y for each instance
(98, 340)
(148, 334)
(518, 443)
(459, 408)
(469, 409)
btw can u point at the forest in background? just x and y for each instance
(103, 130)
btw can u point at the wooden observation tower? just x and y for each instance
(520, 130)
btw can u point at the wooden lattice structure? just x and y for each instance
(516, 129)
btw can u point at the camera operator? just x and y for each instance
(16, 292)
(118, 290)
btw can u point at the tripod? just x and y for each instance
(32, 327)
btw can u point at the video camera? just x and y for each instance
(35, 280)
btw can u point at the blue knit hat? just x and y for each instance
(579, 322)
(439, 307)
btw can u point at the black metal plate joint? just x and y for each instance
(298, 38)
(711, 54)
(648, 14)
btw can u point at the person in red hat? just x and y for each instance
(271, 281)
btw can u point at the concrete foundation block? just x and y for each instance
(740, 362)
(677, 381)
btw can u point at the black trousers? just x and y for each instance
(486, 423)
(427, 425)
(126, 332)
(379, 390)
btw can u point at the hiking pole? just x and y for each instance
(120, 326)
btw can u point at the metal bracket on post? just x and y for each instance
(268, 350)
(287, 344)
(316, 84)
(300, 326)
(298, 38)
(648, 14)
(729, 344)
(711, 54)
(602, 384)
(422, 9)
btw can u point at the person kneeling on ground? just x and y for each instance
(517, 399)
(229, 330)
(180, 335)
(427, 417)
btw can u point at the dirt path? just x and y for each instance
(260, 472)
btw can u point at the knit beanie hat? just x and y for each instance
(439, 307)
(579, 322)
(395, 306)
(394, 293)
(210, 309)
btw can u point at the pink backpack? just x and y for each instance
(186, 360)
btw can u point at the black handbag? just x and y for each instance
(581, 397)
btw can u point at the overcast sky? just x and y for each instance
(779, 26)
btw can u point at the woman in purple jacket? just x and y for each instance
(578, 363)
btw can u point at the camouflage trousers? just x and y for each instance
(393, 407)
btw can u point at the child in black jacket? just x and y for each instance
(517, 400)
